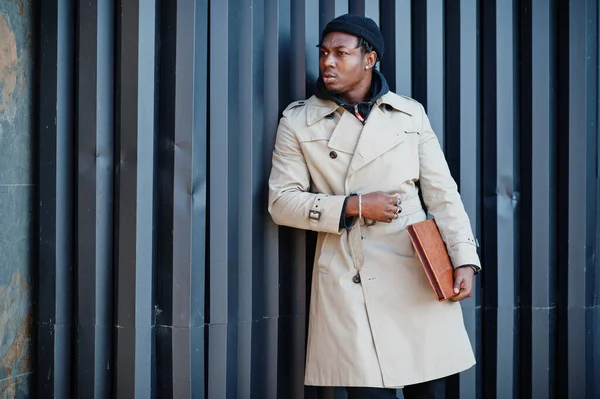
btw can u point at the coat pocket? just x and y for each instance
(326, 254)
(412, 133)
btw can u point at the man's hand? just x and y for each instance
(379, 206)
(463, 283)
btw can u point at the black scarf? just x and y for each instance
(379, 87)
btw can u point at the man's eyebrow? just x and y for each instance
(335, 48)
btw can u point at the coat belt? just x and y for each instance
(409, 206)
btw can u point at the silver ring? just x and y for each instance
(398, 201)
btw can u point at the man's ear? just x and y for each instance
(372, 58)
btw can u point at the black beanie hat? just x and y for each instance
(359, 26)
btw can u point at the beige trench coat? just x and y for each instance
(388, 330)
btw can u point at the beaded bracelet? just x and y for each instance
(359, 206)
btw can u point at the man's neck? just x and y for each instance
(360, 94)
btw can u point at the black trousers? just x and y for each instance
(435, 389)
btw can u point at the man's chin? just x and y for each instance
(332, 88)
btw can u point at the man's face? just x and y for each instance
(342, 64)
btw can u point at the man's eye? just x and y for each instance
(342, 53)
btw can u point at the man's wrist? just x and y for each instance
(352, 207)
(475, 268)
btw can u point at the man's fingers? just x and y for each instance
(394, 198)
(389, 216)
(457, 284)
(463, 285)
(463, 292)
(467, 286)
(463, 295)
(385, 218)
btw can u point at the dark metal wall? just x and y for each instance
(160, 273)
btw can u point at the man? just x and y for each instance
(348, 163)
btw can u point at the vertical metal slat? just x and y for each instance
(218, 139)
(469, 173)
(542, 165)
(55, 194)
(94, 197)
(577, 192)
(507, 198)
(135, 200)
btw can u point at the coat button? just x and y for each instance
(356, 278)
(333, 154)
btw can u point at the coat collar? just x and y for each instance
(399, 103)
(317, 108)
(379, 87)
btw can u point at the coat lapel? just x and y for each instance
(379, 135)
(346, 133)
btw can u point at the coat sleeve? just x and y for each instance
(290, 202)
(440, 194)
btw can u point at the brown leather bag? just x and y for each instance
(431, 250)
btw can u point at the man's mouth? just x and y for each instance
(328, 77)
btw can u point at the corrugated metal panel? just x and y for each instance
(174, 107)
(543, 263)
(55, 212)
(465, 159)
(94, 197)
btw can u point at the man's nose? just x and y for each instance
(328, 60)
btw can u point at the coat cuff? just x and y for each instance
(464, 253)
(474, 267)
(346, 222)
(324, 214)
